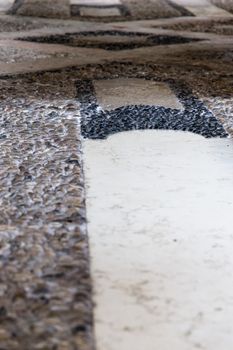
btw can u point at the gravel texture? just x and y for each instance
(11, 55)
(45, 289)
(42, 8)
(221, 26)
(155, 9)
(14, 24)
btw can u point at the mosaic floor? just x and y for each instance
(116, 174)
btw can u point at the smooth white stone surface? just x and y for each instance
(159, 208)
(99, 12)
(114, 93)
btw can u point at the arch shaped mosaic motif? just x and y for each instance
(99, 123)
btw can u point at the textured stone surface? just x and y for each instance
(42, 8)
(222, 26)
(154, 9)
(14, 24)
(45, 286)
(45, 283)
(11, 55)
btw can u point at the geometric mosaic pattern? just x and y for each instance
(72, 89)
(99, 124)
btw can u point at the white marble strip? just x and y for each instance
(159, 208)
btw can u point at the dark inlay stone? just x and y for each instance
(97, 123)
(110, 40)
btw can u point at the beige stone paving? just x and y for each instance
(115, 93)
(99, 12)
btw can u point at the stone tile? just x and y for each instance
(159, 208)
(95, 2)
(114, 93)
(99, 12)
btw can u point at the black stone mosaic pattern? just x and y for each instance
(99, 124)
(81, 40)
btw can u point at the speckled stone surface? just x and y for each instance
(222, 26)
(44, 281)
(17, 24)
(42, 8)
(11, 55)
